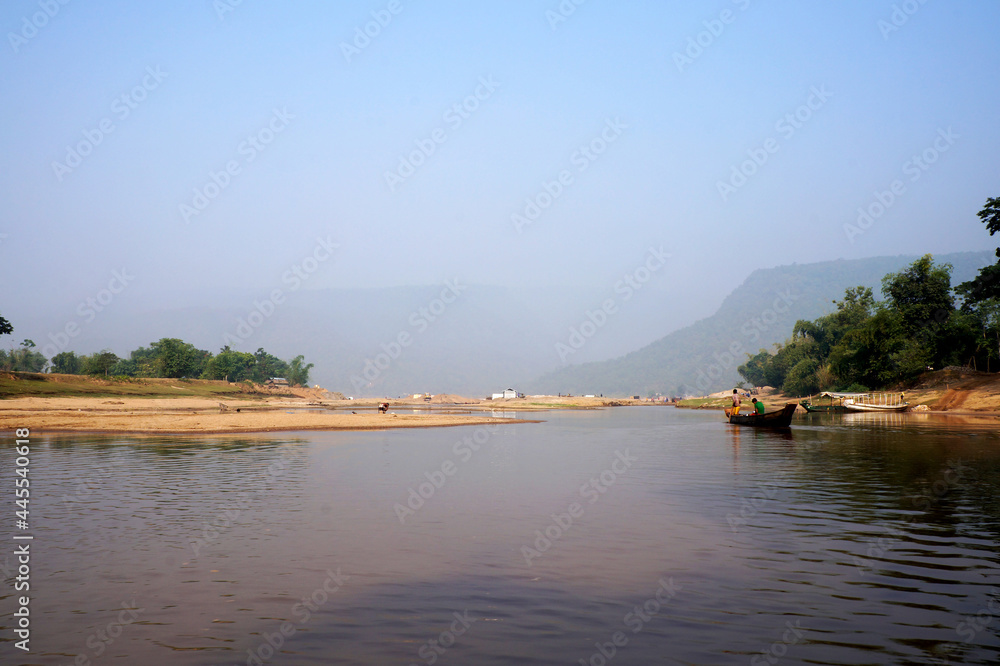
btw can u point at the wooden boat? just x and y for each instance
(877, 402)
(836, 403)
(781, 418)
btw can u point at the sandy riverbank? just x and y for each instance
(207, 416)
(76, 403)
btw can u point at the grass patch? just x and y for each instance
(23, 385)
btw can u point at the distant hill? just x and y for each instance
(481, 342)
(703, 357)
(488, 339)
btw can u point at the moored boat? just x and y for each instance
(781, 418)
(877, 402)
(834, 404)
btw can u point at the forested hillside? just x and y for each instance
(761, 312)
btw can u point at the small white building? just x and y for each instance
(508, 394)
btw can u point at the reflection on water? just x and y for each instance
(626, 536)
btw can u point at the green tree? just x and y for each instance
(229, 365)
(787, 357)
(921, 293)
(799, 366)
(126, 367)
(99, 363)
(298, 371)
(176, 358)
(753, 370)
(986, 284)
(25, 359)
(990, 215)
(867, 343)
(267, 366)
(801, 379)
(767, 369)
(67, 363)
(853, 311)
(865, 355)
(142, 362)
(983, 319)
(5, 327)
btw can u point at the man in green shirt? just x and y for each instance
(758, 405)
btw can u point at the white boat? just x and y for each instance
(876, 402)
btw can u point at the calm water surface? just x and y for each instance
(684, 540)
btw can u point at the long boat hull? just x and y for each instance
(855, 407)
(823, 408)
(781, 418)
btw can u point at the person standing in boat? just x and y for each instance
(735, 411)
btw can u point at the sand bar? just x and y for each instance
(207, 416)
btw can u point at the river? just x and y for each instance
(636, 535)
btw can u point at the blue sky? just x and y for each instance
(881, 92)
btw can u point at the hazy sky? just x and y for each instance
(207, 145)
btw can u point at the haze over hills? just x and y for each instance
(472, 340)
(703, 357)
(475, 339)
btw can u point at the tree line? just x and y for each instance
(168, 357)
(923, 324)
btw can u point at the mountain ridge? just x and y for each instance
(702, 357)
